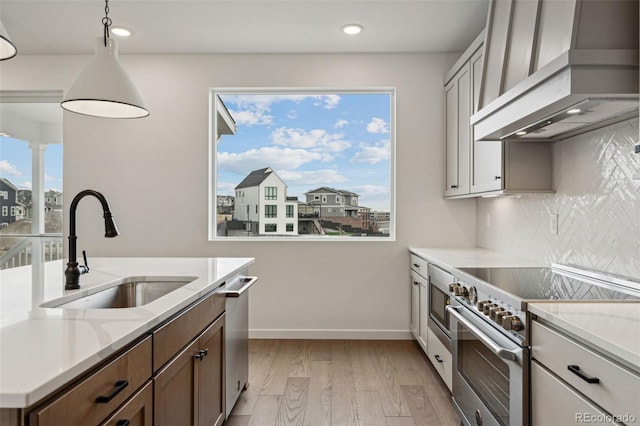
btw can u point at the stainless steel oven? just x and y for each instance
(439, 281)
(490, 372)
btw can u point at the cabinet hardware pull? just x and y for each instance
(201, 354)
(124, 422)
(120, 385)
(437, 357)
(416, 265)
(497, 178)
(416, 283)
(576, 370)
(454, 186)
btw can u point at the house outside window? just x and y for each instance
(290, 211)
(271, 211)
(270, 193)
(289, 227)
(324, 199)
(270, 227)
(4, 194)
(5, 211)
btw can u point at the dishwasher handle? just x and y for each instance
(238, 292)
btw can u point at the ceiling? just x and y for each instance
(246, 26)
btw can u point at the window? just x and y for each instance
(314, 146)
(23, 112)
(270, 192)
(270, 211)
(289, 227)
(270, 227)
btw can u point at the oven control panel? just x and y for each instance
(504, 316)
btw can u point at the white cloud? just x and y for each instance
(317, 140)
(251, 118)
(372, 154)
(226, 188)
(341, 123)
(375, 197)
(274, 157)
(25, 185)
(292, 115)
(331, 101)
(311, 177)
(377, 125)
(9, 169)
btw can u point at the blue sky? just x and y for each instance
(15, 163)
(336, 140)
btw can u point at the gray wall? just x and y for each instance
(597, 202)
(322, 289)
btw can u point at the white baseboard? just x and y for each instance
(330, 334)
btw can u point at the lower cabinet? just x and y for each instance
(189, 389)
(440, 357)
(173, 377)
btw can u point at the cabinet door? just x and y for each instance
(138, 411)
(458, 132)
(415, 305)
(210, 375)
(175, 390)
(487, 173)
(424, 314)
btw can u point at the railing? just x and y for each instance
(21, 253)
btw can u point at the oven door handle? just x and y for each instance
(493, 346)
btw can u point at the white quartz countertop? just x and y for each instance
(471, 258)
(42, 349)
(613, 328)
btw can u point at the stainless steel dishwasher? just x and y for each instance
(236, 338)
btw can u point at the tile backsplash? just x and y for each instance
(597, 203)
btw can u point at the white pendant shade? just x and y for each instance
(104, 89)
(7, 48)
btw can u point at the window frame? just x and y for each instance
(214, 92)
(270, 211)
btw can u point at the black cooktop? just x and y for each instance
(548, 284)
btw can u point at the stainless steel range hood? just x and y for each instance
(564, 90)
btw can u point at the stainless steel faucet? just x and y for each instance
(73, 271)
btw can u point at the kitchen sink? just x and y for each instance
(126, 293)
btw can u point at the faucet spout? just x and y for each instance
(74, 270)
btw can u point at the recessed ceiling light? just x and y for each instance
(574, 111)
(352, 29)
(122, 32)
(521, 133)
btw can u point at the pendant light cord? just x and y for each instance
(106, 21)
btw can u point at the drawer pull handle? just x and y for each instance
(120, 385)
(123, 423)
(437, 357)
(576, 370)
(415, 282)
(416, 265)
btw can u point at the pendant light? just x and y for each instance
(103, 88)
(7, 48)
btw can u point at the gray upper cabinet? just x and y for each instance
(461, 101)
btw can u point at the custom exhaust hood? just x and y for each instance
(554, 69)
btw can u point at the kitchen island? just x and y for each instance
(43, 349)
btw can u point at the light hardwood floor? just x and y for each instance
(341, 382)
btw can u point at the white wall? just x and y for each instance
(597, 202)
(155, 173)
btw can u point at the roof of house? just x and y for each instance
(255, 178)
(9, 184)
(333, 190)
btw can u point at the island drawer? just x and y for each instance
(603, 381)
(94, 398)
(170, 338)
(138, 411)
